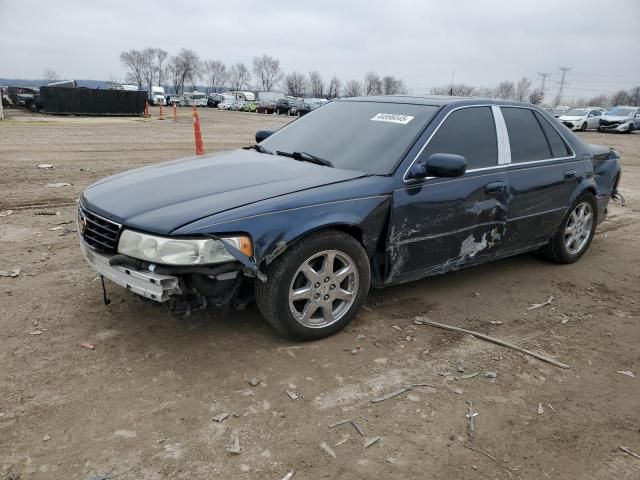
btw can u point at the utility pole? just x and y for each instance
(563, 82)
(543, 80)
(453, 76)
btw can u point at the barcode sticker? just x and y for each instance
(392, 118)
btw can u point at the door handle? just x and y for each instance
(570, 174)
(495, 187)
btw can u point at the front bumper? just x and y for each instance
(572, 125)
(618, 127)
(146, 284)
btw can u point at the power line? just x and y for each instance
(543, 79)
(563, 82)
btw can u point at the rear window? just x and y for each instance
(527, 140)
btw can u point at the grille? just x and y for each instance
(98, 232)
(607, 122)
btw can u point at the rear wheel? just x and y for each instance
(316, 287)
(576, 231)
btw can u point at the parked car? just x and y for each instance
(178, 100)
(307, 105)
(266, 106)
(226, 104)
(582, 118)
(249, 107)
(284, 106)
(369, 191)
(237, 105)
(195, 98)
(294, 104)
(215, 98)
(620, 119)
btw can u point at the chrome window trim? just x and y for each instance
(502, 137)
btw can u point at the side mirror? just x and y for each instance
(439, 165)
(262, 134)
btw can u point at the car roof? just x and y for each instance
(434, 100)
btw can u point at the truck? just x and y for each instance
(195, 98)
(270, 96)
(157, 96)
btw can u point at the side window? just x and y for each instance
(526, 137)
(558, 146)
(470, 132)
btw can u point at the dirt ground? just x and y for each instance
(141, 405)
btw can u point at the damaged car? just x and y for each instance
(620, 119)
(363, 192)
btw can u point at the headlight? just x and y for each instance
(175, 251)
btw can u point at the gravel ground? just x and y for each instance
(142, 404)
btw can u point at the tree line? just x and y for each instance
(154, 66)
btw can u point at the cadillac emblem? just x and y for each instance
(82, 222)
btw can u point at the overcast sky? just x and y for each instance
(422, 42)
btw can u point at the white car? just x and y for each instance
(237, 105)
(582, 118)
(226, 104)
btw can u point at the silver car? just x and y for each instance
(620, 119)
(582, 118)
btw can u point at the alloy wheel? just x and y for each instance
(578, 228)
(323, 289)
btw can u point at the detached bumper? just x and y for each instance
(620, 127)
(146, 284)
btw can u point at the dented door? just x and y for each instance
(444, 224)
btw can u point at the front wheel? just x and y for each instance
(576, 231)
(583, 127)
(316, 287)
(631, 128)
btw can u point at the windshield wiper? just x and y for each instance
(258, 148)
(306, 157)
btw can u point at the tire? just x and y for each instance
(583, 127)
(558, 248)
(600, 129)
(631, 128)
(329, 306)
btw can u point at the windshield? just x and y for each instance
(198, 96)
(620, 112)
(578, 112)
(368, 136)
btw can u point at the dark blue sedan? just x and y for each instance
(360, 192)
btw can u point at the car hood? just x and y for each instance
(616, 118)
(566, 117)
(162, 198)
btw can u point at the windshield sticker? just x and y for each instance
(393, 118)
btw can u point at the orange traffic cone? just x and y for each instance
(197, 133)
(146, 109)
(161, 113)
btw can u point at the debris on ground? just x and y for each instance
(491, 375)
(539, 305)
(633, 454)
(460, 366)
(46, 438)
(344, 440)
(627, 373)
(481, 452)
(6, 213)
(470, 419)
(459, 391)
(221, 417)
(396, 327)
(46, 212)
(292, 395)
(353, 423)
(424, 321)
(36, 332)
(53, 229)
(235, 445)
(370, 441)
(254, 382)
(57, 185)
(45, 166)
(495, 322)
(540, 409)
(551, 407)
(468, 375)
(288, 475)
(88, 346)
(329, 451)
(360, 337)
(400, 391)
(10, 273)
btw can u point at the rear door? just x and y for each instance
(441, 224)
(543, 174)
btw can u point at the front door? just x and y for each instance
(442, 224)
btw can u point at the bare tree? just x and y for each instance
(536, 96)
(216, 74)
(50, 75)
(148, 66)
(335, 85)
(353, 88)
(372, 84)
(505, 90)
(316, 84)
(133, 61)
(183, 67)
(267, 70)
(239, 76)
(485, 92)
(393, 86)
(622, 97)
(295, 84)
(634, 96)
(160, 67)
(522, 89)
(457, 89)
(601, 100)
